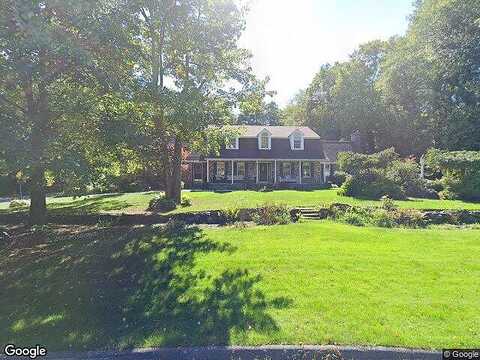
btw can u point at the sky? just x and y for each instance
(291, 39)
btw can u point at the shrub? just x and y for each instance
(272, 214)
(435, 185)
(383, 173)
(338, 178)
(175, 227)
(388, 204)
(409, 218)
(371, 184)
(461, 173)
(18, 204)
(229, 216)
(382, 218)
(186, 202)
(161, 204)
(407, 175)
(353, 218)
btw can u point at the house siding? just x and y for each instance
(280, 149)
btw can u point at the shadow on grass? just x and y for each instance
(89, 205)
(126, 287)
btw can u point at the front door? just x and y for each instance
(263, 172)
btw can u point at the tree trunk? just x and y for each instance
(38, 203)
(40, 115)
(173, 189)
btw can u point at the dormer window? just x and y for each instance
(264, 140)
(232, 144)
(297, 140)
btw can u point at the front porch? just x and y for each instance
(278, 173)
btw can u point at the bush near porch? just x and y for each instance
(383, 173)
(461, 173)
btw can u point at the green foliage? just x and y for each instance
(230, 215)
(388, 204)
(338, 178)
(387, 215)
(371, 184)
(382, 218)
(175, 227)
(18, 204)
(407, 174)
(272, 214)
(379, 174)
(161, 204)
(186, 202)
(461, 173)
(353, 218)
(409, 218)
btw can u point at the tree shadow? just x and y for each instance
(125, 287)
(88, 205)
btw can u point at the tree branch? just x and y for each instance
(5, 99)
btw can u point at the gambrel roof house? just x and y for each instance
(281, 156)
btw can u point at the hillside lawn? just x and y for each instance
(207, 200)
(77, 288)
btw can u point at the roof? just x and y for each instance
(276, 131)
(332, 148)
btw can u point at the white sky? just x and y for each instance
(290, 39)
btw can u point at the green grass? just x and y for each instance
(305, 283)
(204, 200)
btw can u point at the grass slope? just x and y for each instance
(313, 283)
(204, 200)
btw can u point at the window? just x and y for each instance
(232, 144)
(264, 141)
(286, 169)
(197, 171)
(220, 169)
(241, 169)
(306, 169)
(296, 141)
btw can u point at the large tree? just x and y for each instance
(192, 56)
(342, 97)
(430, 79)
(52, 54)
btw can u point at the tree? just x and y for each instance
(294, 112)
(430, 77)
(45, 47)
(192, 54)
(254, 109)
(343, 98)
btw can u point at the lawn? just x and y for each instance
(304, 283)
(205, 200)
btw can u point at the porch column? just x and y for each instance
(232, 172)
(325, 173)
(275, 171)
(208, 173)
(256, 179)
(299, 172)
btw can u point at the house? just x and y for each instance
(277, 156)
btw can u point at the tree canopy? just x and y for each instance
(411, 92)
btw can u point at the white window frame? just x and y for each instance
(240, 165)
(309, 166)
(261, 136)
(297, 135)
(222, 168)
(230, 145)
(284, 174)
